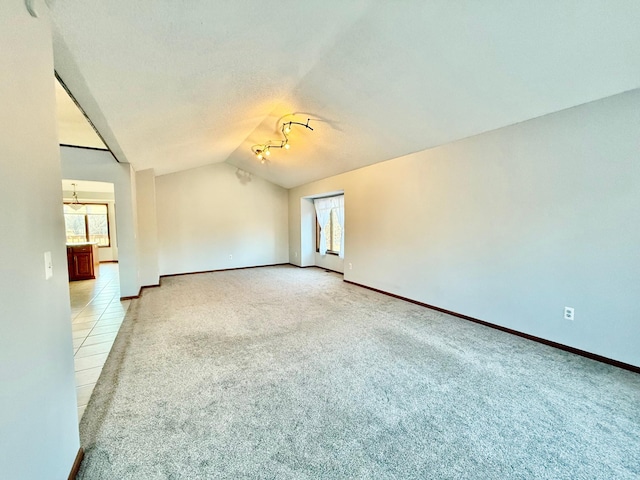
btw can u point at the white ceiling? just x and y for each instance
(87, 186)
(172, 87)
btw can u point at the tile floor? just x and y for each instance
(96, 315)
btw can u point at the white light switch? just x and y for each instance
(48, 266)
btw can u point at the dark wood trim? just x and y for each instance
(550, 343)
(329, 270)
(144, 287)
(76, 464)
(84, 147)
(109, 261)
(318, 266)
(221, 270)
(132, 297)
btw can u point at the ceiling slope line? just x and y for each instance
(95, 129)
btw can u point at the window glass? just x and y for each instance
(76, 228)
(333, 231)
(87, 223)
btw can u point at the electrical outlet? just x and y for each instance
(230, 257)
(569, 313)
(350, 266)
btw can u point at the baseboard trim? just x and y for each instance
(133, 297)
(317, 266)
(550, 343)
(108, 261)
(140, 291)
(221, 270)
(76, 464)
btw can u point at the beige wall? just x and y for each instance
(209, 218)
(38, 411)
(509, 226)
(147, 227)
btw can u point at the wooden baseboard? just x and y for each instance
(221, 270)
(76, 464)
(329, 270)
(140, 291)
(132, 297)
(560, 346)
(108, 261)
(316, 266)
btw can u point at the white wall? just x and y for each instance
(509, 226)
(110, 253)
(329, 261)
(209, 213)
(147, 227)
(38, 411)
(99, 165)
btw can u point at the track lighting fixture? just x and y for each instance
(261, 151)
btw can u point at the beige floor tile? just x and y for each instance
(105, 328)
(91, 312)
(84, 325)
(83, 394)
(77, 342)
(80, 333)
(100, 303)
(91, 318)
(94, 349)
(88, 376)
(101, 338)
(92, 361)
(110, 316)
(110, 321)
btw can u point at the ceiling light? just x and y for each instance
(262, 150)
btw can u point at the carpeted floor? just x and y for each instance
(282, 372)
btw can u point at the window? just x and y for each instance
(334, 233)
(89, 223)
(332, 228)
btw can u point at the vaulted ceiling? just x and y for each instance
(177, 85)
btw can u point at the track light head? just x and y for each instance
(264, 150)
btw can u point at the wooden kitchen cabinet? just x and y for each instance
(82, 261)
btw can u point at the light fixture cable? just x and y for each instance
(262, 150)
(75, 203)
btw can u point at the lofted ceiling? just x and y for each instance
(73, 127)
(177, 85)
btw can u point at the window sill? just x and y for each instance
(330, 253)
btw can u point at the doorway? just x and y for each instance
(94, 286)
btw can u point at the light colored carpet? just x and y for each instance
(282, 372)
